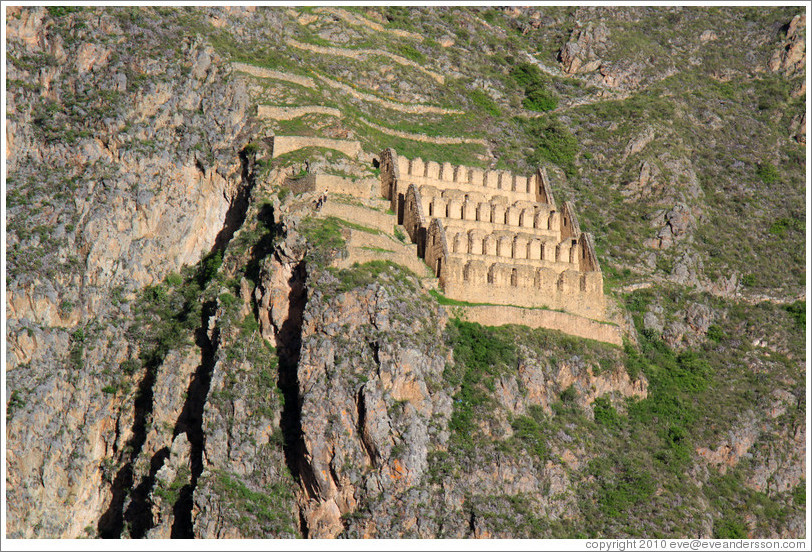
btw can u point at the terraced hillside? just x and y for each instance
(202, 343)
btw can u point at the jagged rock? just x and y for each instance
(580, 54)
(639, 142)
(677, 223)
(707, 36)
(645, 184)
(381, 425)
(791, 57)
(798, 128)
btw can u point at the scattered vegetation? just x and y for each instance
(537, 96)
(258, 513)
(551, 142)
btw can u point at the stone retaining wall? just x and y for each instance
(360, 215)
(285, 113)
(441, 140)
(355, 19)
(404, 108)
(286, 144)
(361, 187)
(361, 54)
(265, 73)
(539, 318)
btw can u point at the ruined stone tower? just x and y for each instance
(495, 237)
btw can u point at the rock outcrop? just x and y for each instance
(791, 57)
(153, 173)
(581, 53)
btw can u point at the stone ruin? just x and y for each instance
(495, 237)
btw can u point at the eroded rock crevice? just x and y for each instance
(123, 503)
(131, 509)
(191, 418)
(289, 343)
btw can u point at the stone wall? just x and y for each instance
(360, 215)
(281, 145)
(445, 177)
(540, 318)
(362, 54)
(361, 187)
(495, 237)
(285, 113)
(265, 73)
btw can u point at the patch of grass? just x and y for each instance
(729, 528)
(767, 172)
(537, 96)
(356, 226)
(481, 353)
(797, 311)
(484, 102)
(324, 239)
(605, 413)
(266, 512)
(799, 494)
(783, 224)
(529, 431)
(624, 483)
(363, 275)
(409, 52)
(551, 141)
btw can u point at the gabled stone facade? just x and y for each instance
(495, 237)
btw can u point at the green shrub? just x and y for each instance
(538, 98)
(15, 402)
(767, 172)
(129, 367)
(484, 102)
(729, 528)
(623, 484)
(210, 265)
(526, 74)
(174, 279)
(61, 11)
(530, 434)
(77, 349)
(552, 142)
(536, 95)
(605, 413)
(749, 280)
(568, 395)
(797, 311)
(715, 333)
(799, 494)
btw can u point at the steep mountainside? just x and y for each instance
(193, 352)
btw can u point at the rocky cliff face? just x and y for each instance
(124, 163)
(184, 359)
